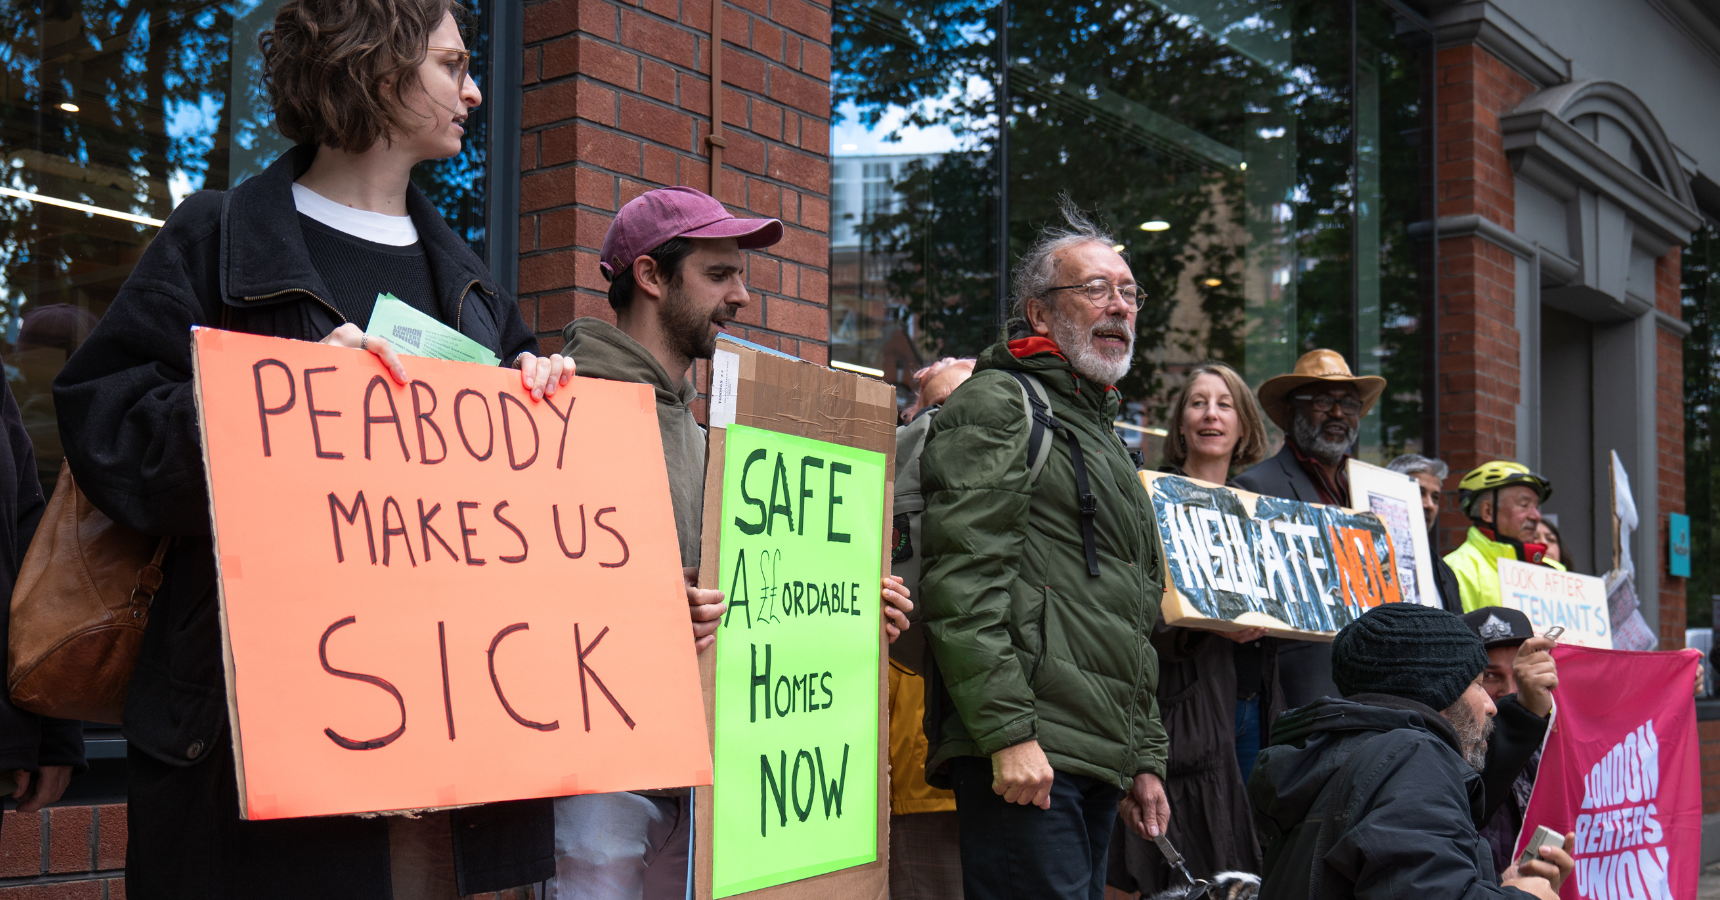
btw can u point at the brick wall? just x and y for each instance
(78, 853)
(617, 101)
(1669, 443)
(1478, 342)
(1708, 733)
(64, 853)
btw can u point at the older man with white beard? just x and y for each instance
(1042, 575)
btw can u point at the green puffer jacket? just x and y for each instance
(1028, 645)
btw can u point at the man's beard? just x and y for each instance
(1104, 367)
(1473, 730)
(1313, 441)
(690, 330)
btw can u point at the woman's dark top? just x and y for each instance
(1211, 822)
(356, 270)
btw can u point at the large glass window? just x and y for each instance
(1259, 162)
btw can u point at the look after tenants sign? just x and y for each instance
(443, 592)
(796, 790)
(1550, 597)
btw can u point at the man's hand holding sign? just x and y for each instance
(385, 551)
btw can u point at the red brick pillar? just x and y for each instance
(1669, 443)
(1708, 734)
(617, 101)
(1478, 341)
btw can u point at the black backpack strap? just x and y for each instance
(1089, 503)
(1040, 422)
(1037, 407)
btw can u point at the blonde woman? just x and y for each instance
(1217, 425)
(1218, 692)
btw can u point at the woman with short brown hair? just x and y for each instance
(368, 89)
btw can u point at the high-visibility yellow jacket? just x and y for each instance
(1476, 564)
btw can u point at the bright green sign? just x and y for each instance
(796, 788)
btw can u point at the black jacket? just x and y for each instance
(1304, 667)
(1445, 581)
(1401, 801)
(237, 260)
(1517, 735)
(1211, 823)
(1280, 475)
(27, 741)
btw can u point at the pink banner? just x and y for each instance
(1621, 769)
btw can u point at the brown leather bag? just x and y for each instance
(79, 609)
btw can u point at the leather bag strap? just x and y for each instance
(149, 580)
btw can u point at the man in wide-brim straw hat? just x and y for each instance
(1319, 405)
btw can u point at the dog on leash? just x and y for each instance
(1223, 886)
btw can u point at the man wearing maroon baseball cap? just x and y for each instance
(673, 259)
(674, 262)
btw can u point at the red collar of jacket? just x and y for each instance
(1022, 348)
(1530, 553)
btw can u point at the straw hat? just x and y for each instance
(1315, 367)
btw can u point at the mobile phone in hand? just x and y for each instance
(1544, 837)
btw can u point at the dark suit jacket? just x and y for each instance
(1304, 667)
(1280, 476)
(1445, 581)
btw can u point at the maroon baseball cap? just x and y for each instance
(655, 217)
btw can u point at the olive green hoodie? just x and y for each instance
(600, 350)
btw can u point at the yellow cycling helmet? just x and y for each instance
(1491, 476)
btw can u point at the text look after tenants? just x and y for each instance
(366, 89)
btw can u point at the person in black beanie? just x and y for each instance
(1377, 794)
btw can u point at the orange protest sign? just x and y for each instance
(445, 592)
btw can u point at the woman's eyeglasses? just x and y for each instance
(465, 62)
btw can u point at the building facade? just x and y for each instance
(1505, 207)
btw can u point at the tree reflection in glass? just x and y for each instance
(1216, 138)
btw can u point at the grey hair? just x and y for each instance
(1415, 464)
(1035, 270)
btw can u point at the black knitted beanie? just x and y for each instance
(1407, 650)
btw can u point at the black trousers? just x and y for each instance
(1014, 851)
